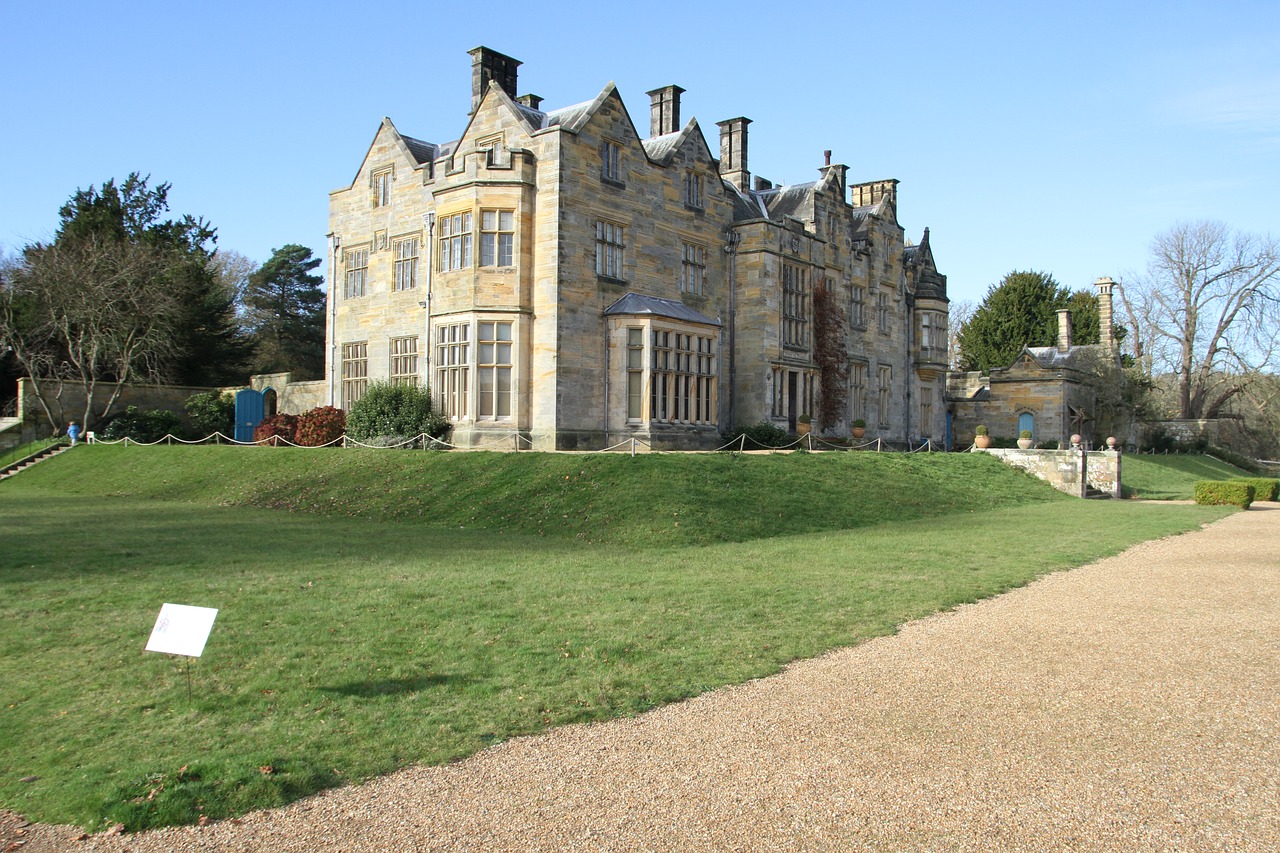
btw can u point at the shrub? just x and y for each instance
(763, 434)
(804, 419)
(386, 409)
(1052, 444)
(1224, 493)
(320, 426)
(282, 426)
(146, 426)
(1026, 433)
(859, 423)
(210, 412)
(980, 430)
(1264, 488)
(1232, 458)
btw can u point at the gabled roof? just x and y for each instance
(636, 304)
(1051, 358)
(662, 149)
(796, 201)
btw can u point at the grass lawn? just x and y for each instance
(1173, 477)
(388, 608)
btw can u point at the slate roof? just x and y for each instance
(1051, 358)
(638, 304)
(423, 152)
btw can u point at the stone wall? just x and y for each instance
(1062, 468)
(69, 404)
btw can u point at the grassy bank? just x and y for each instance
(1172, 477)
(349, 642)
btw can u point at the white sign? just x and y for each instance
(182, 630)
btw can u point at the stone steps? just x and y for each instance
(27, 461)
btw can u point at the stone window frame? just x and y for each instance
(693, 269)
(380, 183)
(495, 363)
(683, 376)
(795, 306)
(453, 368)
(858, 308)
(926, 411)
(611, 250)
(859, 375)
(884, 394)
(406, 251)
(497, 242)
(355, 372)
(693, 194)
(636, 373)
(611, 162)
(883, 326)
(355, 282)
(455, 240)
(402, 360)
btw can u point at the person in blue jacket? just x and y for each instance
(73, 433)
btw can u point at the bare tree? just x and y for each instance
(1206, 312)
(959, 314)
(89, 314)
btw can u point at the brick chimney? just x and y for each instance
(664, 110)
(489, 65)
(1064, 329)
(733, 152)
(1105, 307)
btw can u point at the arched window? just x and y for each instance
(268, 403)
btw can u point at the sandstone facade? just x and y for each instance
(561, 282)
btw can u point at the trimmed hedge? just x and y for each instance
(1264, 488)
(1224, 493)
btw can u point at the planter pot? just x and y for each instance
(982, 442)
(803, 429)
(1024, 443)
(857, 432)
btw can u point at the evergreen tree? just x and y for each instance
(284, 310)
(207, 346)
(1022, 311)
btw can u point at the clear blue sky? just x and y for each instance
(1059, 137)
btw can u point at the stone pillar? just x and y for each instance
(1105, 320)
(1064, 330)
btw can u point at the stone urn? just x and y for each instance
(1024, 443)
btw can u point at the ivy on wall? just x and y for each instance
(831, 352)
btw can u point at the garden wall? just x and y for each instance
(1062, 468)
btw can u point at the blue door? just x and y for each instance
(1027, 421)
(248, 413)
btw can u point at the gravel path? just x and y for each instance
(1133, 704)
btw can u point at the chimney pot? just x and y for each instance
(664, 110)
(489, 65)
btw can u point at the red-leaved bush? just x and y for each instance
(321, 425)
(285, 427)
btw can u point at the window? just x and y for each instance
(382, 188)
(610, 168)
(933, 336)
(693, 190)
(493, 346)
(885, 383)
(683, 378)
(858, 390)
(455, 242)
(609, 247)
(882, 312)
(795, 307)
(859, 317)
(452, 368)
(693, 272)
(497, 237)
(406, 263)
(357, 273)
(635, 374)
(355, 372)
(404, 361)
(926, 412)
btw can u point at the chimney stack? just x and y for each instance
(733, 152)
(489, 65)
(1064, 329)
(533, 102)
(664, 110)
(1105, 320)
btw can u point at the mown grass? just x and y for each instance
(1172, 477)
(348, 645)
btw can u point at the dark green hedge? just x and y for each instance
(1264, 488)
(1224, 493)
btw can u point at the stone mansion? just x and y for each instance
(560, 282)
